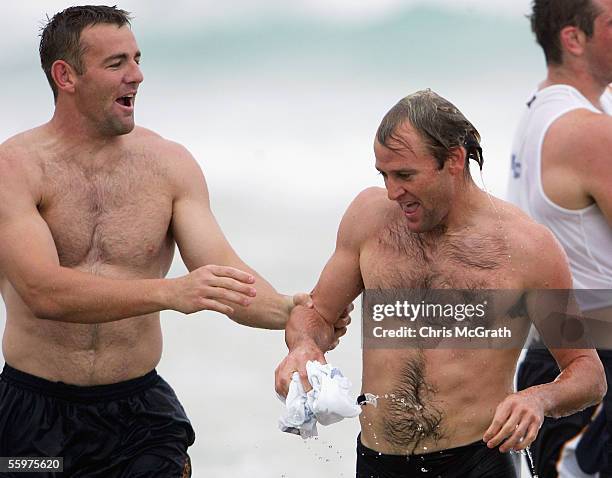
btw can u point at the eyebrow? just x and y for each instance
(397, 171)
(120, 56)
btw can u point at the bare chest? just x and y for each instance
(398, 259)
(115, 214)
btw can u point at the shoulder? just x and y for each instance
(176, 160)
(164, 149)
(582, 137)
(535, 251)
(21, 161)
(365, 215)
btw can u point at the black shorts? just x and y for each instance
(469, 461)
(135, 428)
(579, 440)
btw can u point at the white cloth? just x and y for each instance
(329, 401)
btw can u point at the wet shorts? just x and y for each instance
(134, 429)
(469, 461)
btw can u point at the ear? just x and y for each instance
(456, 160)
(572, 40)
(64, 76)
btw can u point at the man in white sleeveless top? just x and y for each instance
(562, 176)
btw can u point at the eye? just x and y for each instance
(404, 176)
(115, 65)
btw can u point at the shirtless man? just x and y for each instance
(433, 228)
(90, 210)
(561, 176)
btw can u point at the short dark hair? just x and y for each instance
(549, 17)
(60, 38)
(439, 123)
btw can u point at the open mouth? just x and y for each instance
(126, 101)
(411, 207)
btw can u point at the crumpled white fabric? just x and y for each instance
(329, 401)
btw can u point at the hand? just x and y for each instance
(204, 287)
(302, 298)
(341, 325)
(296, 362)
(517, 421)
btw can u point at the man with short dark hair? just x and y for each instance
(561, 175)
(91, 207)
(447, 412)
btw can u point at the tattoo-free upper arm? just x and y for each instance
(28, 252)
(196, 231)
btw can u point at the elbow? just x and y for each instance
(602, 387)
(42, 305)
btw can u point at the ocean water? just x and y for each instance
(279, 106)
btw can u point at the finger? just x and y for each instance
(281, 384)
(506, 430)
(501, 416)
(345, 313)
(303, 299)
(304, 380)
(516, 438)
(225, 271)
(209, 304)
(532, 433)
(233, 284)
(342, 323)
(339, 333)
(219, 293)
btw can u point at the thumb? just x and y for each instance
(303, 299)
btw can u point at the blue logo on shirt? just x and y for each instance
(516, 167)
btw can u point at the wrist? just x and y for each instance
(164, 292)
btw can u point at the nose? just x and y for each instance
(394, 190)
(134, 74)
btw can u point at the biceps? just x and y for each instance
(339, 284)
(198, 235)
(27, 250)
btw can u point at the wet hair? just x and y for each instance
(60, 38)
(438, 122)
(549, 17)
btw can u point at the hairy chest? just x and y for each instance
(117, 213)
(398, 259)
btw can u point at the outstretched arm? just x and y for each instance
(309, 332)
(201, 242)
(30, 262)
(580, 384)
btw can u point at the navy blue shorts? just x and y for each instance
(135, 428)
(470, 461)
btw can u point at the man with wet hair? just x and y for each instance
(91, 208)
(561, 176)
(440, 412)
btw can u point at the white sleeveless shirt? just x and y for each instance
(584, 233)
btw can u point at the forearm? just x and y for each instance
(580, 385)
(67, 295)
(269, 309)
(307, 327)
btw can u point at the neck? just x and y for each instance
(70, 125)
(468, 198)
(580, 78)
